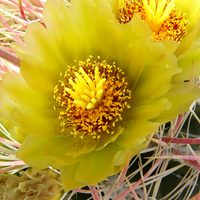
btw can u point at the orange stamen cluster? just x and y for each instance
(91, 98)
(161, 15)
(128, 9)
(174, 28)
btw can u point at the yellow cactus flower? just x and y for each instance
(90, 90)
(175, 23)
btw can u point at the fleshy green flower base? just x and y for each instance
(89, 27)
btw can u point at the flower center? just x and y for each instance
(91, 98)
(161, 15)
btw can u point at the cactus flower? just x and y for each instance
(90, 90)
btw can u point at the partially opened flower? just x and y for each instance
(31, 184)
(89, 91)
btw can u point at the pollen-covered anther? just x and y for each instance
(91, 98)
(161, 15)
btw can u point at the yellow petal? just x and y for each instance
(135, 133)
(181, 97)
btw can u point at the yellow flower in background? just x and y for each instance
(175, 23)
(162, 17)
(90, 90)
